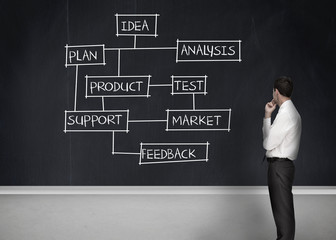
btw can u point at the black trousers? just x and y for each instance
(280, 182)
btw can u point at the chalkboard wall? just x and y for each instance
(153, 92)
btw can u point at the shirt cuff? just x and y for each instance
(267, 121)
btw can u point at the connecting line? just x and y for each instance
(180, 161)
(113, 143)
(75, 103)
(126, 153)
(194, 104)
(135, 48)
(160, 85)
(135, 41)
(118, 62)
(149, 48)
(146, 121)
(121, 153)
(103, 104)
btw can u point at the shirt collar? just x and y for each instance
(285, 104)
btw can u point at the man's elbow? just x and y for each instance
(267, 146)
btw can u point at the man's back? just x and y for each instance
(283, 136)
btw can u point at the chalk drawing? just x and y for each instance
(135, 86)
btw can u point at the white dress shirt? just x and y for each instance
(282, 138)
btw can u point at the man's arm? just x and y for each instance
(269, 108)
(273, 134)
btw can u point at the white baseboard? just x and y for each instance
(155, 190)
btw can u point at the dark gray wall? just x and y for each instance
(295, 38)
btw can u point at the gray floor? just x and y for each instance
(159, 217)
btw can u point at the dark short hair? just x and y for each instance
(284, 86)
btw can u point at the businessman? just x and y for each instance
(281, 140)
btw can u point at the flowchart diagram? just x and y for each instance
(139, 86)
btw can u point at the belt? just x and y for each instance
(277, 159)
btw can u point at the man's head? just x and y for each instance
(282, 90)
(284, 86)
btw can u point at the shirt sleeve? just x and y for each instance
(274, 134)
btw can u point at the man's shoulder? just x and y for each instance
(292, 114)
